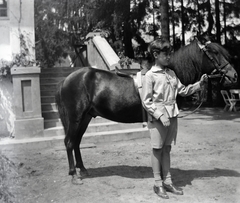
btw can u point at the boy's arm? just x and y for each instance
(190, 89)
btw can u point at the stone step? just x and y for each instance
(88, 140)
(47, 99)
(47, 93)
(99, 119)
(55, 80)
(48, 87)
(51, 114)
(106, 136)
(49, 106)
(56, 124)
(50, 123)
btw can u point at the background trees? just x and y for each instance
(62, 23)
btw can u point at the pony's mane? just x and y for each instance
(186, 62)
(219, 49)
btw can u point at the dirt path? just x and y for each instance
(205, 164)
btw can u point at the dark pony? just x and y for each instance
(90, 92)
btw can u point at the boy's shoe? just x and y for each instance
(171, 188)
(160, 191)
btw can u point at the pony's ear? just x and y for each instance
(203, 39)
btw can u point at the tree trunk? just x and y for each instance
(173, 25)
(209, 18)
(224, 20)
(218, 26)
(209, 31)
(198, 18)
(127, 40)
(164, 19)
(127, 36)
(183, 29)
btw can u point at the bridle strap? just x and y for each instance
(215, 63)
(218, 67)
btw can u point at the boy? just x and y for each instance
(159, 99)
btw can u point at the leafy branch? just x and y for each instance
(22, 59)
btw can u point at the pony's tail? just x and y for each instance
(62, 111)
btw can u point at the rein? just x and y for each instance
(217, 76)
(202, 95)
(192, 111)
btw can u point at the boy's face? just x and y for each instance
(162, 58)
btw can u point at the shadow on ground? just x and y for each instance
(181, 177)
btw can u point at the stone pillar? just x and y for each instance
(27, 102)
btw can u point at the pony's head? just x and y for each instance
(218, 59)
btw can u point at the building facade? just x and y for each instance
(16, 27)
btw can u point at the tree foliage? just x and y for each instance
(61, 24)
(53, 22)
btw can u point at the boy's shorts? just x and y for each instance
(161, 135)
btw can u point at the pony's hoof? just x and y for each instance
(76, 180)
(84, 173)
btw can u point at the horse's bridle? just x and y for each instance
(217, 72)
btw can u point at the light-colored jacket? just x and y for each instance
(160, 91)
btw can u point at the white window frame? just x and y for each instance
(7, 9)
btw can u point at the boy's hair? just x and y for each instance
(159, 45)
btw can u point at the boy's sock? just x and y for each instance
(167, 180)
(158, 180)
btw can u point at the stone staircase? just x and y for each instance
(99, 129)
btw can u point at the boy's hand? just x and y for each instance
(165, 120)
(203, 79)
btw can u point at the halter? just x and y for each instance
(217, 72)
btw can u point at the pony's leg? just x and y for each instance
(77, 152)
(70, 145)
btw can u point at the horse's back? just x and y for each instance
(98, 80)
